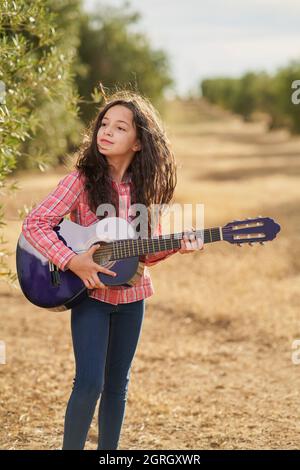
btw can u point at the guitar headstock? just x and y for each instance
(259, 230)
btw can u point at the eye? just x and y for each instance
(121, 128)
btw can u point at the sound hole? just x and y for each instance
(104, 254)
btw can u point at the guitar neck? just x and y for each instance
(143, 246)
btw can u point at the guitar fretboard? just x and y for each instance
(142, 246)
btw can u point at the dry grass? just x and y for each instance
(213, 367)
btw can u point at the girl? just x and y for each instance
(125, 158)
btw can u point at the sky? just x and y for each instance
(209, 38)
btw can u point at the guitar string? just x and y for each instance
(128, 254)
(163, 238)
(154, 241)
(125, 250)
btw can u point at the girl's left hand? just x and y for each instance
(190, 243)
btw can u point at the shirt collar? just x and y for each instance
(127, 178)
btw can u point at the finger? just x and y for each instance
(183, 244)
(90, 284)
(93, 248)
(97, 281)
(200, 244)
(94, 285)
(190, 246)
(189, 237)
(197, 244)
(93, 279)
(105, 270)
(194, 245)
(189, 230)
(183, 250)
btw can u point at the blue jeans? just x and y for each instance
(105, 337)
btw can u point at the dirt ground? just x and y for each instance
(213, 368)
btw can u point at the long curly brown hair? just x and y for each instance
(153, 168)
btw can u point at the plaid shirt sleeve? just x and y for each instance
(152, 259)
(37, 227)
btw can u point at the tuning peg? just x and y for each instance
(250, 243)
(262, 243)
(239, 244)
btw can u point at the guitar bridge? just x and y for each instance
(54, 274)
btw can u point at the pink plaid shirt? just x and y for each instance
(70, 197)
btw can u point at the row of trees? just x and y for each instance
(53, 57)
(271, 94)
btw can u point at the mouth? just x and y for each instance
(104, 141)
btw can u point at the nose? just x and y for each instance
(107, 131)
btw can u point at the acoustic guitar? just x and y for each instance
(121, 250)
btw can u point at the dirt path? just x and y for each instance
(213, 367)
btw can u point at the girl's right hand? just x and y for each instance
(85, 267)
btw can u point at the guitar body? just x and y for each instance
(34, 270)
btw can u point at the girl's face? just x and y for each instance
(117, 135)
